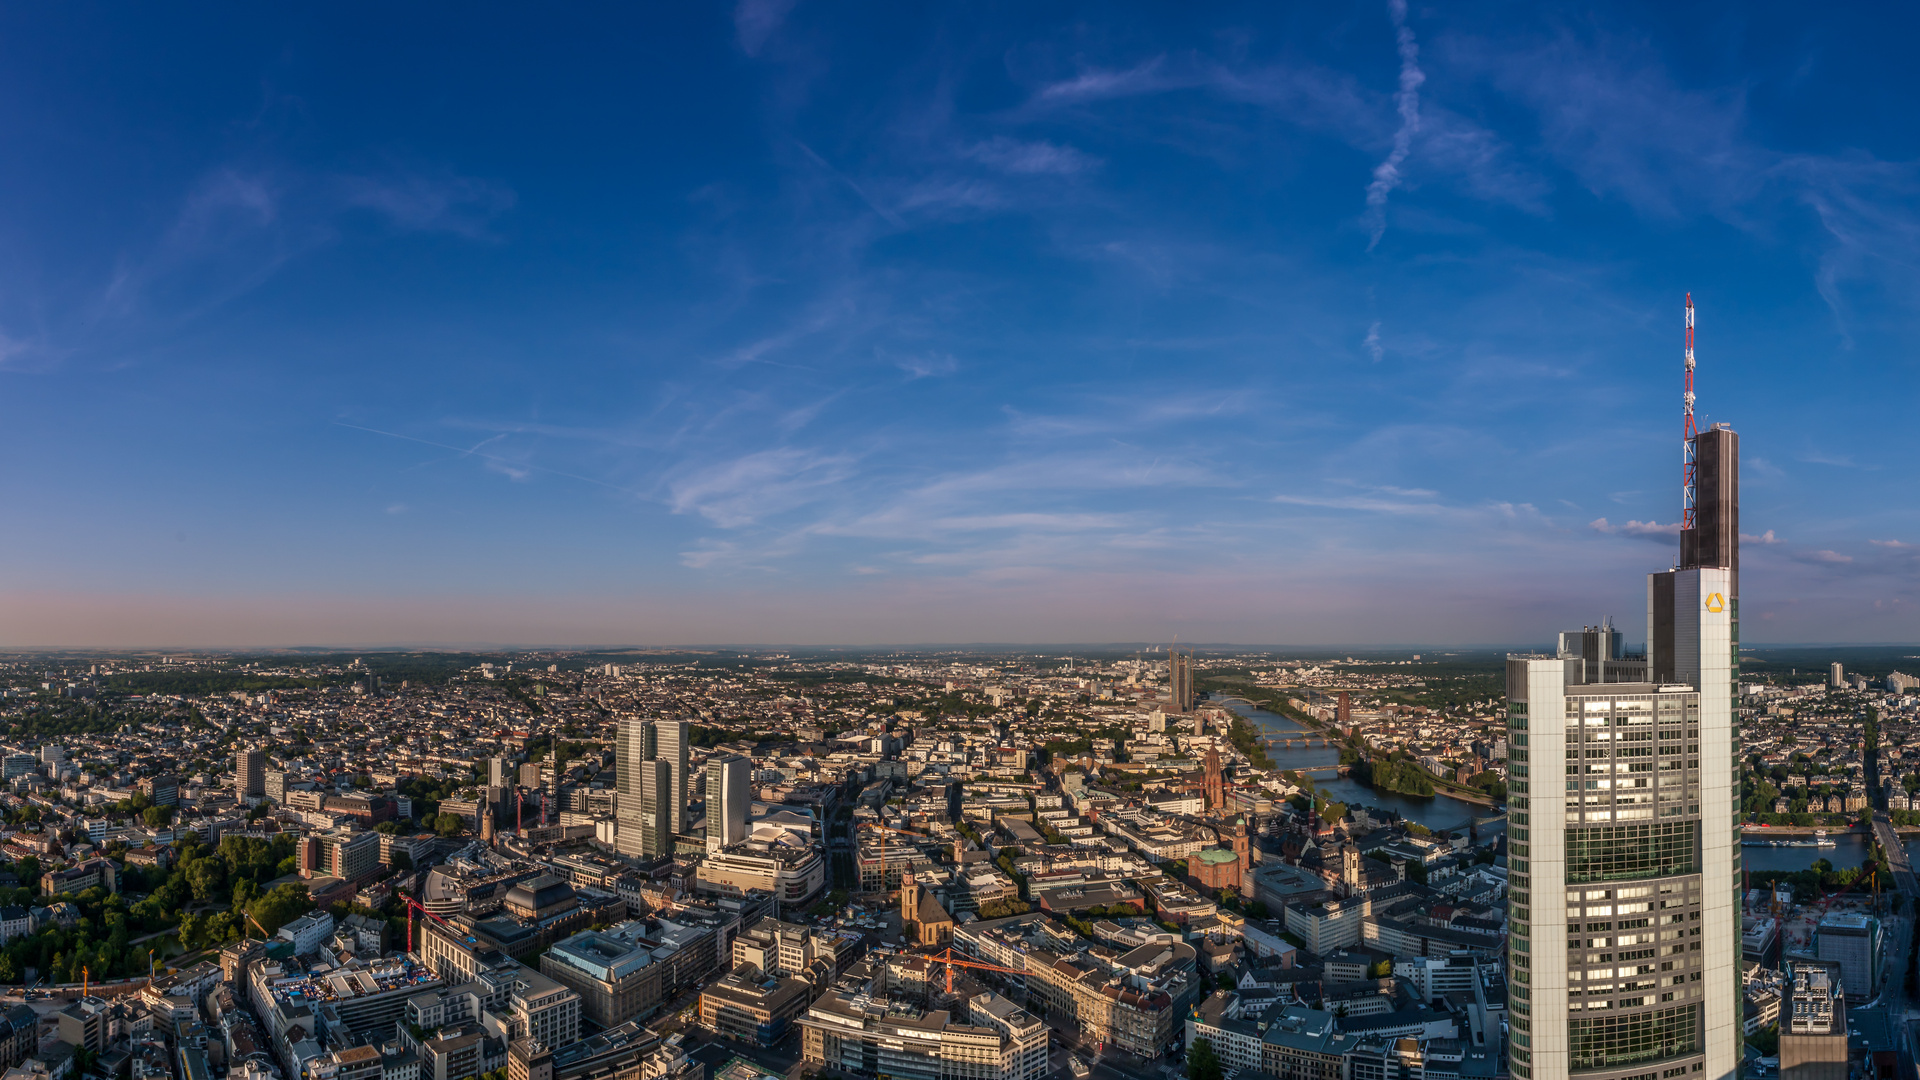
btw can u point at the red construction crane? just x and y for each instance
(414, 905)
(952, 961)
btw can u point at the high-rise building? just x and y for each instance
(249, 773)
(499, 772)
(1625, 864)
(1836, 675)
(671, 743)
(632, 749)
(656, 808)
(729, 789)
(1850, 944)
(1180, 678)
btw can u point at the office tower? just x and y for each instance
(671, 743)
(656, 808)
(1836, 675)
(52, 755)
(1850, 944)
(1180, 678)
(632, 749)
(249, 773)
(729, 789)
(1625, 864)
(1813, 1024)
(499, 772)
(530, 775)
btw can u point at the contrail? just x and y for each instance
(474, 451)
(1386, 175)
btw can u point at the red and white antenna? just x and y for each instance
(1687, 446)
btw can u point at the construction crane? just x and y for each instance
(413, 905)
(884, 861)
(952, 961)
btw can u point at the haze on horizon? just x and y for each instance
(799, 324)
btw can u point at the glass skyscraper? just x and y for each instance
(1623, 827)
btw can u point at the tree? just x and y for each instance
(449, 824)
(401, 861)
(1225, 981)
(281, 906)
(208, 878)
(1202, 1062)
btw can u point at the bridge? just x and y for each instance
(1897, 860)
(1307, 738)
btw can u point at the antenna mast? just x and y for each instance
(1690, 438)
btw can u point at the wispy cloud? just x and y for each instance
(1372, 342)
(755, 21)
(1825, 555)
(1406, 100)
(464, 206)
(1035, 157)
(1099, 85)
(1636, 528)
(756, 486)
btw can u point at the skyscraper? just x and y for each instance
(1180, 678)
(670, 745)
(656, 808)
(729, 789)
(632, 750)
(1625, 864)
(249, 772)
(499, 772)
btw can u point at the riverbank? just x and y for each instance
(1801, 830)
(1275, 701)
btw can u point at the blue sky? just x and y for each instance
(791, 322)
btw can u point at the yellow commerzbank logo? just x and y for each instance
(1716, 603)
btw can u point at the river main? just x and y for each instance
(1438, 813)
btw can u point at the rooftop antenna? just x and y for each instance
(1690, 438)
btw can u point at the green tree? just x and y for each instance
(1202, 1062)
(281, 906)
(208, 878)
(448, 824)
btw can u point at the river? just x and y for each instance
(1438, 813)
(1849, 852)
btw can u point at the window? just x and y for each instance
(1611, 1041)
(1619, 852)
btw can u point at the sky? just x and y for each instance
(788, 322)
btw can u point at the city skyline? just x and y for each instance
(778, 324)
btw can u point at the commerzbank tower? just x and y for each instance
(1624, 816)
